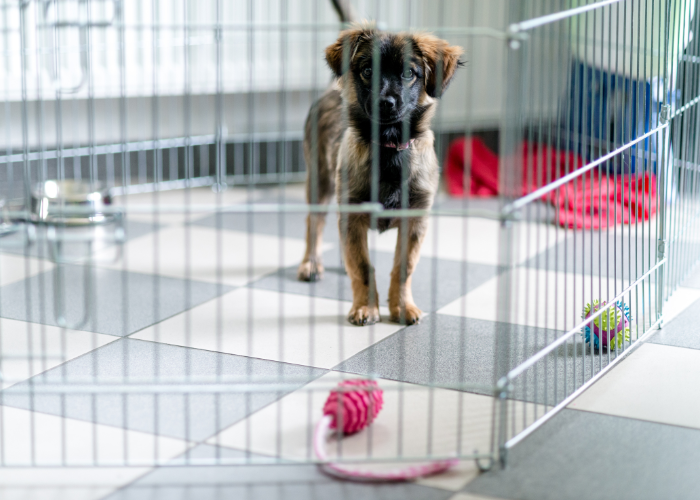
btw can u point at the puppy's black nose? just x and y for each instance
(387, 103)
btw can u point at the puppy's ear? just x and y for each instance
(340, 53)
(440, 59)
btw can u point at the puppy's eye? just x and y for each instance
(367, 72)
(407, 74)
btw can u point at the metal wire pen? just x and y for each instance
(172, 317)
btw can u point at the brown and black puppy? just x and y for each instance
(368, 138)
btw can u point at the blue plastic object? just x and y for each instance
(604, 111)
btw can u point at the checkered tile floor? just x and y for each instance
(202, 296)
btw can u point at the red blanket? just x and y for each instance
(592, 200)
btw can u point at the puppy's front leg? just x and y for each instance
(311, 268)
(365, 301)
(410, 238)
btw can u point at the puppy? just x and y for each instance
(368, 138)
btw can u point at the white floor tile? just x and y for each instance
(144, 206)
(680, 300)
(467, 496)
(16, 268)
(475, 240)
(283, 327)
(49, 483)
(657, 383)
(29, 348)
(453, 479)
(235, 258)
(55, 492)
(415, 422)
(545, 299)
(38, 439)
(170, 205)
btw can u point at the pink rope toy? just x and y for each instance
(356, 404)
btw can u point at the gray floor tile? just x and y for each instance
(193, 416)
(261, 482)
(288, 225)
(148, 299)
(448, 351)
(221, 454)
(293, 224)
(587, 455)
(609, 254)
(681, 331)
(100, 236)
(436, 282)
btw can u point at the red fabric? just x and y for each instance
(592, 200)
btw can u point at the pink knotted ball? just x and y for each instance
(359, 404)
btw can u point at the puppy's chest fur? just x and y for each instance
(404, 179)
(402, 176)
(394, 188)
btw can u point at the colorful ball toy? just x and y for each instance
(353, 407)
(611, 328)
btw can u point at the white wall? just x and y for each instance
(276, 65)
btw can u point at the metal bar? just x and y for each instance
(189, 385)
(509, 186)
(521, 202)
(577, 329)
(557, 16)
(196, 140)
(685, 107)
(478, 31)
(525, 433)
(368, 208)
(237, 179)
(198, 462)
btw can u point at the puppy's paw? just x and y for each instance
(364, 315)
(310, 271)
(408, 316)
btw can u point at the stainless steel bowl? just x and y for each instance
(70, 202)
(6, 225)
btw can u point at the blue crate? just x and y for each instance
(603, 111)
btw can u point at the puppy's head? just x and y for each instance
(389, 75)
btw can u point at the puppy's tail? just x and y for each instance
(344, 10)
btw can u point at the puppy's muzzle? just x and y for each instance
(387, 105)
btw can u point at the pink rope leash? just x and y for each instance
(355, 405)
